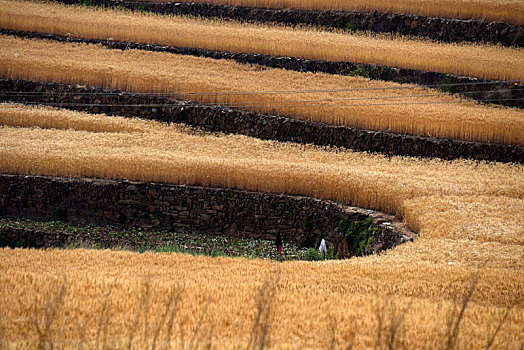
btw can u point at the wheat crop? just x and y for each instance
(485, 61)
(510, 11)
(108, 297)
(357, 102)
(466, 213)
(62, 146)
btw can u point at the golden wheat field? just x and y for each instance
(66, 143)
(485, 61)
(108, 297)
(351, 101)
(510, 11)
(459, 285)
(410, 297)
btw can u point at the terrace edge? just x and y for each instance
(479, 89)
(434, 28)
(266, 127)
(221, 211)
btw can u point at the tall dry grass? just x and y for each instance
(107, 304)
(173, 154)
(510, 11)
(361, 103)
(466, 213)
(486, 61)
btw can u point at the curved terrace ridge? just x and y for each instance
(483, 90)
(262, 126)
(432, 27)
(196, 209)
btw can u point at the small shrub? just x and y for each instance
(85, 3)
(350, 28)
(446, 84)
(360, 236)
(343, 225)
(330, 253)
(359, 71)
(312, 254)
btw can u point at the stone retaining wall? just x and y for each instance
(483, 90)
(443, 29)
(184, 208)
(216, 118)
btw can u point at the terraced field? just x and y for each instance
(350, 101)
(459, 285)
(484, 61)
(504, 11)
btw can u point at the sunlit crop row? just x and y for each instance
(466, 213)
(68, 143)
(501, 10)
(485, 61)
(108, 297)
(351, 101)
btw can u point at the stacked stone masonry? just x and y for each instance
(442, 29)
(183, 208)
(216, 118)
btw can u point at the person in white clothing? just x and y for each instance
(323, 248)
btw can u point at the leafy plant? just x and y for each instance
(85, 3)
(359, 71)
(312, 254)
(447, 84)
(350, 28)
(360, 236)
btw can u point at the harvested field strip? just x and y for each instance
(484, 61)
(324, 98)
(173, 154)
(510, 11)
(227, 290)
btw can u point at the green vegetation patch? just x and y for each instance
(163, 241)
(359, 235)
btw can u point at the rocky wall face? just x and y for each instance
(216, 118)
(300, 220)
(442, 29)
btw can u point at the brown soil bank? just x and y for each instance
(443, 29)
(216, 118)
(482, 90)
(300, 220)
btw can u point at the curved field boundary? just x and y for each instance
(268, 127)
(442, 29)
(483, 90)
(300, 220)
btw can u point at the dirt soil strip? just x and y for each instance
(435, 28)
(483, 90)
(267, 127)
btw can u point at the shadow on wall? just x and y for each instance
(301, 221)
